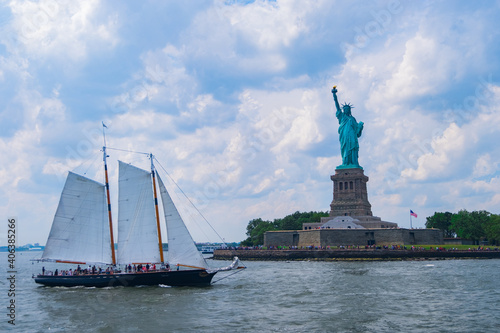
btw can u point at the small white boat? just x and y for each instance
(208, 249)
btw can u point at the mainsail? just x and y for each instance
(181, 247)
(137, 232)
(80, 230)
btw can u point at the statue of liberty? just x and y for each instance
(349, 132)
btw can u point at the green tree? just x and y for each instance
(255, 231)
(297, 219)
(492, 229)
(257, 227)
(289, 222)
(441, 221)
(470, 225)
(316, 216)
(253, 224)
(311, 217)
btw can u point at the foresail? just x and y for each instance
(80, 230)
(181, 247)
(137, 232)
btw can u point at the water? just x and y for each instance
(412, 296)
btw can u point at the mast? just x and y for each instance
(112, 240)
(160, 245)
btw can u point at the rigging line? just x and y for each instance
(196, 208)
(128, 151)
(83, 168)
(91, 165)
(190, 215)
(222, 278)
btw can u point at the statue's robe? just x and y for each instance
(349, 132)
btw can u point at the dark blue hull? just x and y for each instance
(170, 278)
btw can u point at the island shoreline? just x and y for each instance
(353, 254)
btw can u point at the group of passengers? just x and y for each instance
(140, 268)
(79, 271)
(92, 270)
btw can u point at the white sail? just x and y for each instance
(137, 230)
(181, 247)
(80, 230)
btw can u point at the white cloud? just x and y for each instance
(480, 186)
(304, 129)
(326, 165)
(440, 163)
(390, 200)
(456, 151)
(162, 80)
(277, 23)
(484, 166)
(423, 70)
(420, 200)
(58, 29)
(248, 38)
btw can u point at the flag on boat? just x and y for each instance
(104, 125)
(413, 213)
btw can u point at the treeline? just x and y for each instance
(476, 225)
(257, 227)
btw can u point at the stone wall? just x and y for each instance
(428, 236)
(281, 238)
(392, 237)
(333, 237)
(337, 237)
(309, 237)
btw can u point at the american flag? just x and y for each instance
(413, 213)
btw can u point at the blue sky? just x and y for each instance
(233, 98)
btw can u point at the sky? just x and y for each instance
(234, 100)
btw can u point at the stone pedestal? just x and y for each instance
(350, 196)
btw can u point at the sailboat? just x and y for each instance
(82, 234)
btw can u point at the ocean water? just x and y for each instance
(411, 296)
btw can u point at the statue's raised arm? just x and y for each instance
(334, 92)
(349, 132)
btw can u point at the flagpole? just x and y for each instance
(104, 133)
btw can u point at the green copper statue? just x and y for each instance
(349, 132)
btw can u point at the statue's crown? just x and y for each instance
(348, 104)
